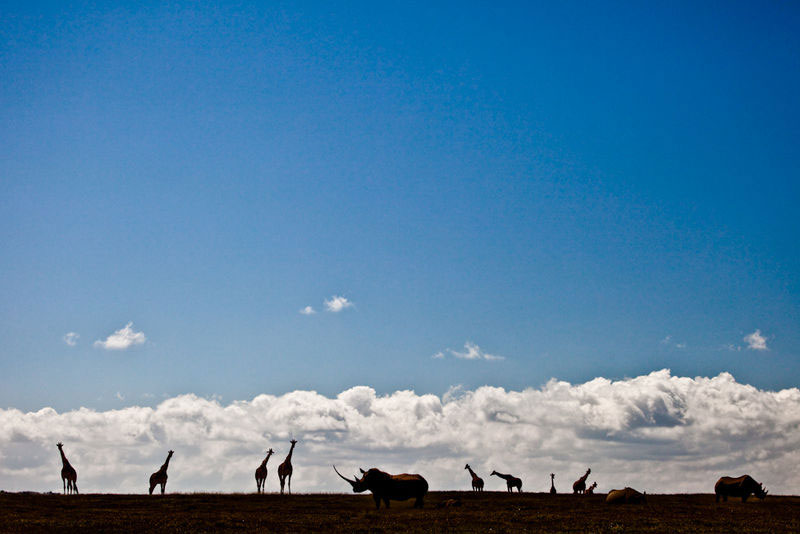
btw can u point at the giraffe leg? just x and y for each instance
(163, 487)
(290, 484)
(64, 482)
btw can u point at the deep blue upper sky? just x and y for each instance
(584, 189)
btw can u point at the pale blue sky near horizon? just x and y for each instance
(583, 189)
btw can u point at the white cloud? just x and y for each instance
(756, 341)
(308, 310)
(120, 396)
(122, 339)
(337, 304)
(439, 355)
(669, 342)
(471, 352)
(71, 338)
(656, 432)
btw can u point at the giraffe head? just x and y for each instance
(466, 466)
(270, 451)
(293, 442)
(552, 476)
(170, 453)
(59, 445)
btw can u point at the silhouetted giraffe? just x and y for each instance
(590, 489)
(477, 482)
(552, 483)
(160, 476)
(511, 481)
(580, 485)
(285, 469)
(261, 473)
(69, 477)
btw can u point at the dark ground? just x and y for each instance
(486, 512)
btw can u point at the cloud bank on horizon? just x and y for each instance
(656, 432)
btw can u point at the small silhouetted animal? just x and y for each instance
(552, 483)
(477, 482)
(743, 487)
(590, 489)
(160, 476)
(386, 487)
(69, 477)
(511, 481)
(625, 496)
(579, 486)
(285, 469)
(261, 473)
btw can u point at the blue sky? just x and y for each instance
(582, 189)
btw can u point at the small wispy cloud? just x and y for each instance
(471, 352)
(120, 396)
(337, 303)
(122, 339)
(71, 338)
(308, 310)
(756, 341)
(668, 341)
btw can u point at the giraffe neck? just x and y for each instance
(166, 464)
(64, 460)
(264, 463)
(471, 472)
(289, 456)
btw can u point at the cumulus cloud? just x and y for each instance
(71, 338)
(122, 339)
(657, 432)
(471, 352)
(756, 341)
(308, 310)
(337, 304)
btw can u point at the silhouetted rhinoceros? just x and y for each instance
(386, 487)
(627, 495)
(742, 487)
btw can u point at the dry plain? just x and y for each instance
(485, 512)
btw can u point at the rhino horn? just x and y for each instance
(351, 482)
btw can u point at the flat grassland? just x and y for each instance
(484, 512)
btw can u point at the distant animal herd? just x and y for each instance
(385, 487)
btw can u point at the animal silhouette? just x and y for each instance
(69, 477)
(160, 476)
(386, 487)
(552, 483)
(742, 486)
(590, 489)
(261, 473)
(580, 485)
(477, 482)
(511, 481)
(625, 496)
(285, 469)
